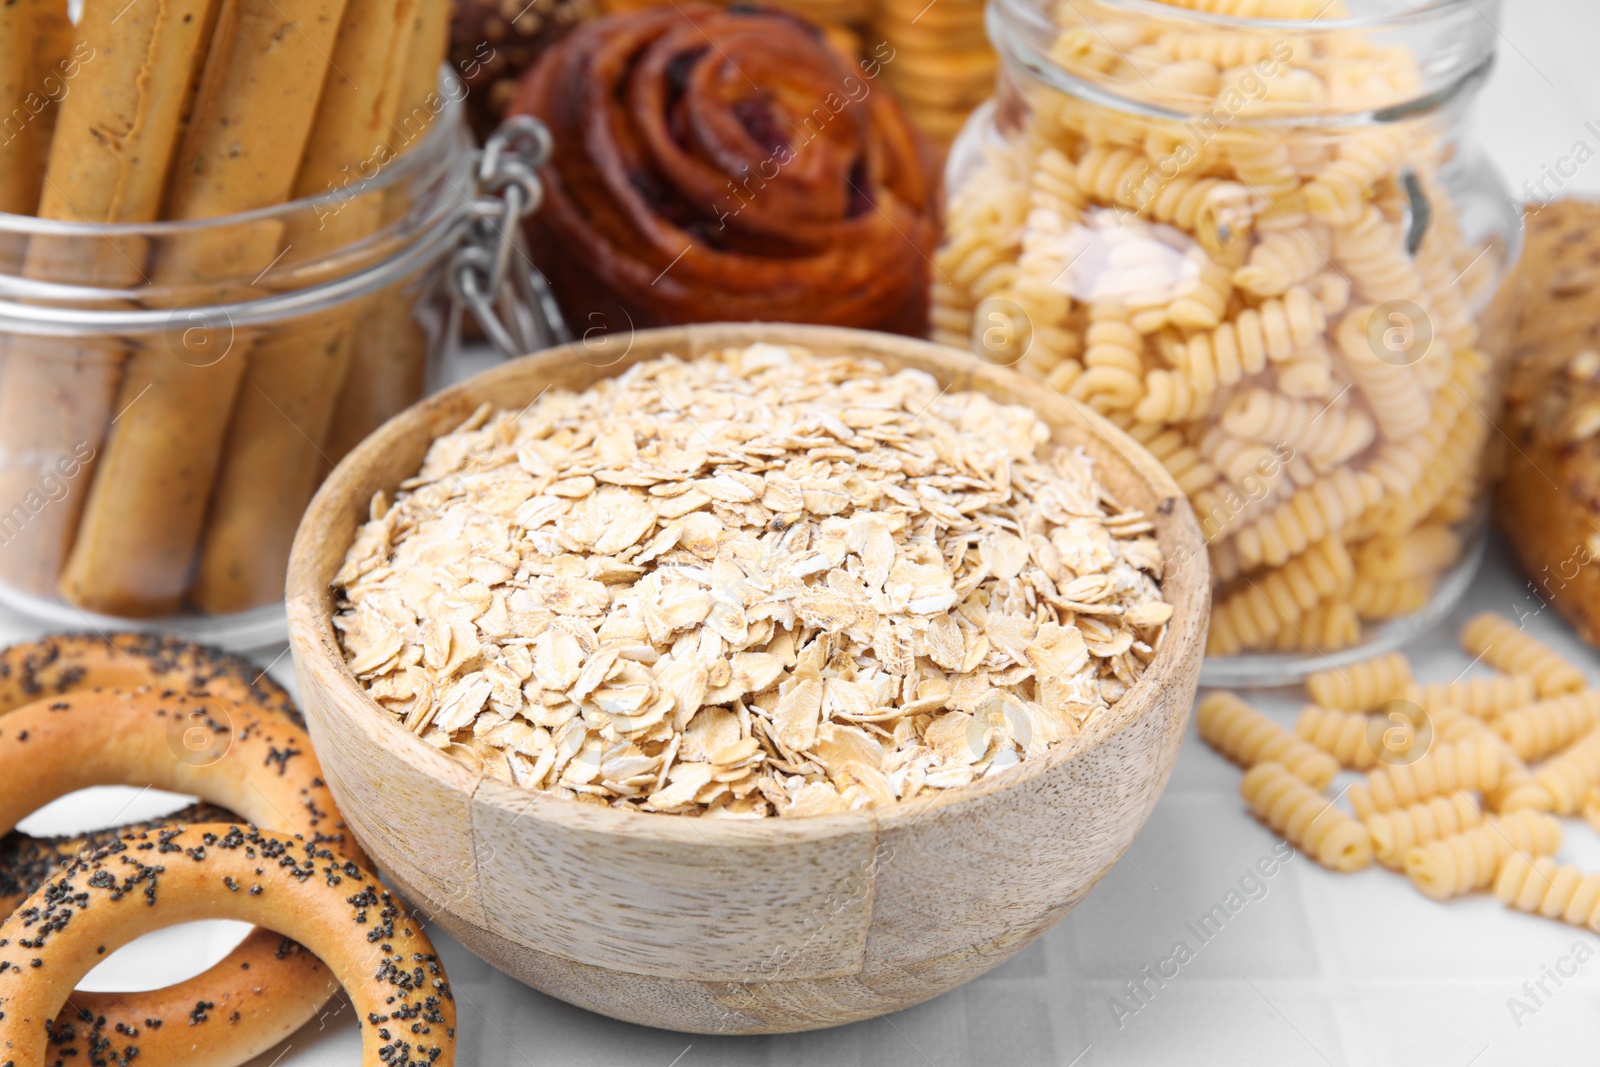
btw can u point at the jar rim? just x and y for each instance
(437, 140)
(1022, 32)
(433, 174)
(1420, 11)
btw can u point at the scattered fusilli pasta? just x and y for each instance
(1474, 764)
(1362, 686)
(1446, 796)
(1551, 889)
(1542, 729)
(1497, 641)
(1248, 737)
(1395, 833)
(1469, 860)
(1306, 818)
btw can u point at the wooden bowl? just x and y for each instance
(760, 926)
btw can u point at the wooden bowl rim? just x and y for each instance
(312, 636)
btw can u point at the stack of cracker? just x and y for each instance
(942, 65)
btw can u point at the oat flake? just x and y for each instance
(761, 583)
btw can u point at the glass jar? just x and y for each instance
(172, 393)
(1265, 247)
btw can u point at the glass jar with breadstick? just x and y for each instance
(1254, 234)
(228, 252)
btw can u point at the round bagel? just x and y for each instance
(271, 981)
(223, 751)
(260, 993)
(249, 760)
(26, 862)
(151, 879)
(66, 663)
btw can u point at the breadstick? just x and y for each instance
(359, 106)
(20, 151)
(35, 38)
(387, 374)
(119, 125)
(271, 458)
(388, 360)
(141, 524)
(115, 135)
(430, 46)
(55, 63)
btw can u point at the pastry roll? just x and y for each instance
(726, 165)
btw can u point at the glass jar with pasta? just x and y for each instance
(1253, 234)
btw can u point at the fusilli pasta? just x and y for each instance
(1516, 780)
(1538, 730)
(1341, 734)
(1247, 737)
(1498, 642)
(1306, 818)
(1329, 627)
(1231, 276)
(1417, 553)
(1469, 860)
(1327, 437)
(1395, 833)
(1283, 258)
(1320, 510)
(1362, 686)
(1474, 765)
(1561, 783)
(1545, 887)
(1259, 612)
(1376, 598)
(1484, 698)
(1392, 390)
(1113, 378)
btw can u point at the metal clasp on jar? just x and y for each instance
(491, 274)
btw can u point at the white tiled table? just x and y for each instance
(1317, 969)
(1314, 968)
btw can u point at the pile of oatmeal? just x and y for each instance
(760, 583)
